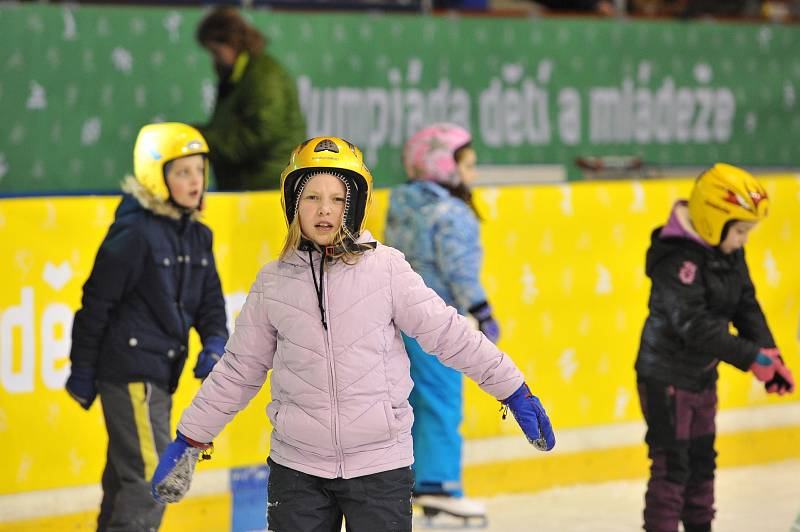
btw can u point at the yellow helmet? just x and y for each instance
(331, 154)
(158, 144)
(724, 193)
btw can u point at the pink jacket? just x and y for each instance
(340, 397)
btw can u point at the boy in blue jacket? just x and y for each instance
(153, 279)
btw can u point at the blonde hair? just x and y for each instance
(344, 243)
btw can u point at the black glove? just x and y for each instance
(81, 386)
(482, 312)
(782, 382)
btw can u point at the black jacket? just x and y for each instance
(154, 277)
(697, 293)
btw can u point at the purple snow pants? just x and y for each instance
(680, 438)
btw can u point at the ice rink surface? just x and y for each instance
(763, 498)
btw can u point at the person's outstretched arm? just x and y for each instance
(441, 331)
(236, 379)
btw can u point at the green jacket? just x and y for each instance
(255, 125)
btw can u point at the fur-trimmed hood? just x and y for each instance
(147, 200)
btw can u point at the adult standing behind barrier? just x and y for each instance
(257, 120)
(154, 277)
(434, 222)
(701, 284)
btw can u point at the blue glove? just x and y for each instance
(213, 349)
(482, 312)
(531, 417)
(81, 386)
(173, 475)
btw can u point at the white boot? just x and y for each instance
(472, 513)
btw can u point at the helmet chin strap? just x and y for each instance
(183, 209)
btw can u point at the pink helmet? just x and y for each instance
(429, 155)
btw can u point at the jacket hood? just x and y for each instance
(140, 197)
(678, 233)
(420, 193)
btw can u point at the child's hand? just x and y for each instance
(782, 382)
(212, 351)
(482, 313)
(764, 366)
(531, 417)
(173, 475)
(81, 386)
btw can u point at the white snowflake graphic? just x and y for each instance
(544, 71)
(566, 200)
(172, 23)
(568, 364)
(603, 285)
(414, 72)
(750, 122)
(138, 25)
(90, 132)
(70, 29)
(208, 93)
(3, 165)
(157, 58)
(529, 289)
(621, 403)
(140, 96)
(17, 134)
(702, 73)
(771, 268)
(789, 95)
(37, 99)
(37, 172)
(122, 59)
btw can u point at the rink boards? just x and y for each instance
(564, 270)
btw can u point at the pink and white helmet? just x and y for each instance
(429, 155)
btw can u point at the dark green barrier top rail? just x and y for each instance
(76, 83)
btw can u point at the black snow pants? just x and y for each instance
(299, 502)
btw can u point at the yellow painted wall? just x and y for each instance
(564, 271)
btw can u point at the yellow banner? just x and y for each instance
(564, 270)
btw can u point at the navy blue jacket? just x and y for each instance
(154, 277)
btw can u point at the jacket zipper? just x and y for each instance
(332, 374)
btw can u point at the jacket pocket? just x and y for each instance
(371, 429)
(401, 420)
(294, 426)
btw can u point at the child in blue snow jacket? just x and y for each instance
(433, 221)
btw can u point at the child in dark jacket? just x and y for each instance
(701, 284)
(153, 279)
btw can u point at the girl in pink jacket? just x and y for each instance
(326, 318)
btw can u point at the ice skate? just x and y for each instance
(441, 511)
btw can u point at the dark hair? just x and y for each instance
(725, 229)
(462, 191)
(225, 25)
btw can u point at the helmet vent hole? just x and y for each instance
(327, 145)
